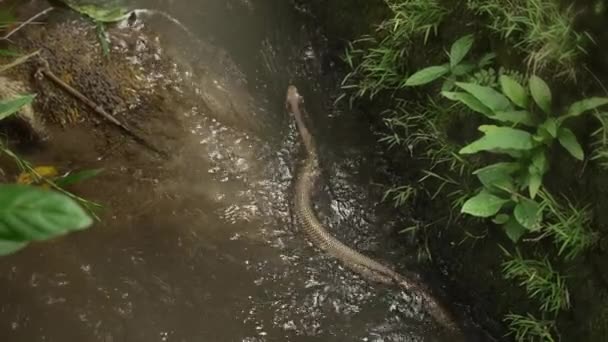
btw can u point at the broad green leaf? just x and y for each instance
(535, 182)
(427, 75)
(29, 213)
(568, 140)
(10, 247)
(496, 174)
(501, 218)
(582, 106)
(483, 204)
(103, 12)
(515, 116)
(77, 177)
(486, 95)
(500, 138)
(462, 69)
(529, 214)
(550, 126)
(541, 93)
(514, 230)
(9, 107)
(469, 101)
(460, 49)
(514, 91)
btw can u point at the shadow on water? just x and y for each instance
(201, 247)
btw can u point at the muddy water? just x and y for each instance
(201, 246)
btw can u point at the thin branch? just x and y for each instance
(45, 70)
(18, 61)
(29, 21)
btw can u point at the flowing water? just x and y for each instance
(201, 246)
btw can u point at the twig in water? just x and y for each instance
(23, 24)
(18, 61)
(46, 71)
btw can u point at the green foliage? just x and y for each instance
(540, 29)
(32, 214)
(540, 280)
(455, 69)
(530, 329)
(378, 62)
(520, 123)
(10, 107)
(525, 137)
(100, 11)
(77, 177)
(568, 226)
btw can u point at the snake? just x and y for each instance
(359, 263)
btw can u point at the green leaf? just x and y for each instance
(529, 214)
(501, 218)
(539, 161)
(534, 183)
(515, 116)
(99, 13)
(29, 213)
(102, 36)
(514, 91)
(500, 138)
(496, 173)
(427, 75)
(541, 93)
(488, 96)
(483, 204)
(77, 177)
(10, 107)
(550, 126)
(448, 84)
(10, 247)
(582, 106)
(460, 49)
(568, 140)
(469, 101)
(514, 230)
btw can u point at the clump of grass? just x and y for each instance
(540, 280)
(378, 61)
(541, 29)
(530, 329)
(568, 226)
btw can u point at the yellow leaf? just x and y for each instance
(28, 178)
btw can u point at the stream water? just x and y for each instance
(202, 246)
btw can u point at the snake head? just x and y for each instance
(293, 99)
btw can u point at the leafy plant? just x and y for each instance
(523, 134)
(456, 68)
(540, 29)
(530, 329)
(540, 280)
(28, 213)
(378, 61)
(31, 214)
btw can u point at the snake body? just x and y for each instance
(315, 230)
